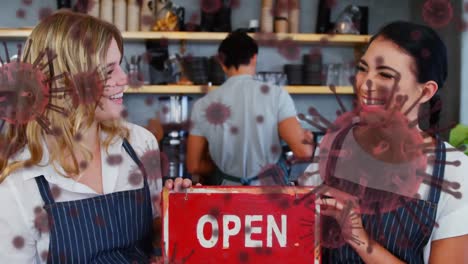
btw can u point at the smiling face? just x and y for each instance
(384, 66)
(111, 103)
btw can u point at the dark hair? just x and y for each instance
(237, 49)
(427, 49)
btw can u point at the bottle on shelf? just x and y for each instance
(323, 17)
(281, 16)
(294, 16)
(145, 14)
(133, 15)
(266, 25)
(120, 14)
(107, 10)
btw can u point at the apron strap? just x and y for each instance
(129, 149)
(44, 190)
(438, 171)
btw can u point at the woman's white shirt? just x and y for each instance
(20, 197)
(451, 212)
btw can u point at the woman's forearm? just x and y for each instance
(375, 253)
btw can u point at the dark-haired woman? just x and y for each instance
(415, 57)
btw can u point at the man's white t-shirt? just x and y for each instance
(452, 213)
(20, 197)
(240, 122)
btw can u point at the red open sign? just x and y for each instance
(240, 225)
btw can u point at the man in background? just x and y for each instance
(242, 122)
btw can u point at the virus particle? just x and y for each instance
(135, 178)
(192, 23)
(175, 259)
(289, 49)
(272, 175)
(377, 156)
(25, 89)
(205, 89)
(42, 222)
(243, 257)
(27, 2)
(20, 13)
(83, 165)
(331, 3)
(437, 13)
(114, 160)
(234, 130)
(45, 12)
(216, 212)
(18, 242)
(210, 6)
(56, 191)
(155, 164)
(234, 4)
(147, 20)
(266, 39)
(275, 149)
(217, 113)
(73, 212)
(44, 255)
(99, 221)
(84, 6)
(87, 88)
(425, 53)
(149, 101)
(416, 35)
(124, 113)
(136, 79)
(78, 137)
(265, 89)
(260, 119)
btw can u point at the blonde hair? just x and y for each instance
(80, 43)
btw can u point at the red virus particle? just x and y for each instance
(425, 53)
(192, 23)
(74, 212)
(18, 242)
(234, 130)
(136, 79)
(149, 101)
(27, 2)
(289, 49)
(56, 191)
(275, 149)
(135, 178)
(20, 13)
(25, 89)
(234, 4)
(147, 20)
(210, 6)
(266, 39)
(260, 119)
(205, 89)
(272, 175)
(376, 155)
(114, 160)
(155, 164)
(83, 165)
(217, 113)
(86, 88)
(44, 255)
(78, 137)
(84, 6)
(45, 12)
(331, 3)
(124, 113)
(42, 222)
(99, 221)
(437, 13)
(416, 35)
(265, 89)
(243, 257)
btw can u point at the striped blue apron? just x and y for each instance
(111, 228)
(404, 231)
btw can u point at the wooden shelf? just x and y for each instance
(199, 89)
(215, 37)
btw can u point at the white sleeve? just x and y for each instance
(17, 243)
(453, 212)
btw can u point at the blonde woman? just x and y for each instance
(66, 197)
